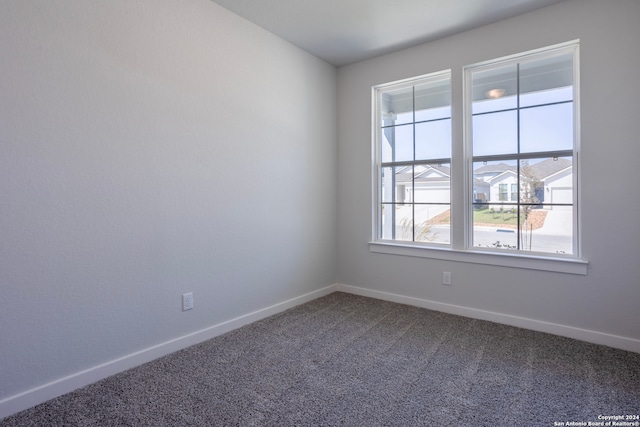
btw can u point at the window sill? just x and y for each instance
(531, 262)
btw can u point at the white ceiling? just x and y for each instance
(346, 31)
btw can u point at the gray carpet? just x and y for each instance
(354, 361)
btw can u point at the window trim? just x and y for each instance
(460, 248)
(502, 259)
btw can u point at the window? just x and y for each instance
(510, 187)
(514, 192)
(522, 142)
(503, 193)
(414, 152)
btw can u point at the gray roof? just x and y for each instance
(494, 168)
(549, 167)
(540, 170)
(407, 177)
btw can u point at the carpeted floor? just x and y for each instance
(354, 361)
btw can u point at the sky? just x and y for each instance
(542, 128)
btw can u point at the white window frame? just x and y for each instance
(461, 249)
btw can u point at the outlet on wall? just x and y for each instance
(187, 301)
(446, 278)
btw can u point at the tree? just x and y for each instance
(529, 183)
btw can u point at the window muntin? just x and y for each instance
(523, 153)
(414, 155)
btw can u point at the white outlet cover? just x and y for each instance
(187, 301)
(446, 278)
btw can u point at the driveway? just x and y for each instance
(558, 222)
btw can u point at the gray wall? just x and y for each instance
(606, 299)
(150, 148)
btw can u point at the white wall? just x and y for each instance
(601, 305)
(147, 149)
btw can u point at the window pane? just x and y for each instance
(433, 224)
(433, 140)
(387, 218)
(542, 229)
(403, 216)
(495, 89)
(548, 180)
(397, 143)
(491, 181)
(396, 184)
(495, 227)
(396, 222)
(433, 100)
(540, 79)
(432, 183)
(495, 133)
(547, 229)
(396, 107)
(383, 224)
(546, 128)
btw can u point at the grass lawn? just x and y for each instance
(488, 216)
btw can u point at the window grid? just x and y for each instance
(520, 194)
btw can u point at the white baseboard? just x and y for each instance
(19, 402)
(37, 395)
(615, 341)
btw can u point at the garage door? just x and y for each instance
(433, 194)
(562, 195)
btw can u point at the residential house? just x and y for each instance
(551, 182)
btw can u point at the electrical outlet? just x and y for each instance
(187, 301)
(446, 278)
